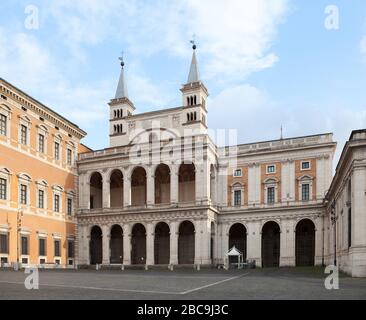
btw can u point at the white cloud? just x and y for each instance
(234, 37)
(258, 118)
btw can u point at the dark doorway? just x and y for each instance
(116, 244)
(271, 245)
(186, 243)
(162, 244)
(138, 243)
(305, 243)
(238, 238)
(96, 245)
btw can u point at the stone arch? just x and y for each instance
(96, 245)
(238, 238)
(271, 241)
(116, 244)
(116, 188)
(96, 190)
(186, 243)
(138, 244)
(162, 243)
(187, 182)
(305, 243)
(162, 184)
(138, 186)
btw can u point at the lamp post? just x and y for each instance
(334, 218)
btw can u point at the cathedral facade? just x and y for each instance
(165, 193)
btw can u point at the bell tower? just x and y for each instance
(194, 94)
(120, 108)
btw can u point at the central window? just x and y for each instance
(237, 198)
(57, 151)
(41, 199)
(305, 192)
(42, 247)
(3, 189)
(271, 169)
(24, 246)
(57, 203)
(23, 134)
(57, 248)
(3, 125)
(237, 173)
(41, 143)
(271, 195)
(23, 194)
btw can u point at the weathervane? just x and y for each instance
(121, 59)
(193, 41)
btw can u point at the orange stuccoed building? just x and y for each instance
(38, 179)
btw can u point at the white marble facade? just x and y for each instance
(163, 192)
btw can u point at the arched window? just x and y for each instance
(195, 100)
(195, 116)
(187, 101)
(187, 117)
(115, 113)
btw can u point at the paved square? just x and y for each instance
(300, 283)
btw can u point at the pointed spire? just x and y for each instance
(122, 87)
(194, 75)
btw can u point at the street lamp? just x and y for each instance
(333, 219)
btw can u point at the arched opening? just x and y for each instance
(271, 245)
(116, 189)
(186, 243)
(96, 191)
(195, 100)
(187, 183)
(238, 238)
(162, 184)
(96, 245)
(116, 244)
(138, 243)
(162, 243)
(138, 187)
(305, 243)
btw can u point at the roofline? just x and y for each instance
(275, 140)
(76, 127)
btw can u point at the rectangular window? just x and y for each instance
(3, 190)
(4, 243)
(23, 194)
(23, 134)
(41, 199)
(57, 203)
(41, 143)
(237, 197)
(237, 173)
(70, 249)
(57, 151)
(3, 125)
(24, 246)
(69, 157)
(69, 207)
(42, 247)
(270, 194)
(305, 192)
(305, 165)
(57, 248)
(271, 169)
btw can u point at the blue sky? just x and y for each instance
(266, 63)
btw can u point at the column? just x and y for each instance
(197, 242)
(287, 243)
(222, 186)
(106, 250)
(254, 242)
(82, 245)
(205, 241)
(291, 180)
(174, 184)
(150, 189)
(127, 191)
(84, 192)
(224, 241)
(319, 241)
(285, 181)
(106, 193)
(320, 178)
(127, 244)
(174, 242)
(150, 244)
